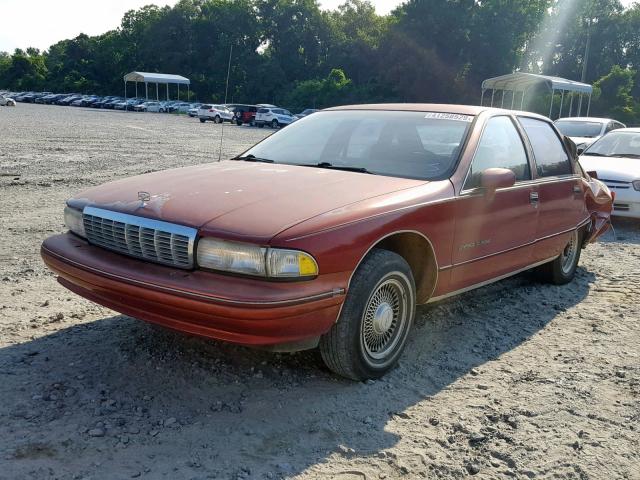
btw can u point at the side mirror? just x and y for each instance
(492, 179)
(593, 174)
(581, 149)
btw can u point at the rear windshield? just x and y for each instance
(420, 145)
(572, 128)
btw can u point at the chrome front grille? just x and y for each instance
(140, 237)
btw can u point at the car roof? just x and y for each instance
(587, 119)
(435, 107)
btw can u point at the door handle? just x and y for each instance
(534, 198)
(577, 189)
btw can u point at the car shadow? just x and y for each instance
(120, 394)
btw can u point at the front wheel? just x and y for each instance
(217, 119)
(274, 123)
(371, 333)
(238, 122)
(202, 120)
(562, 270)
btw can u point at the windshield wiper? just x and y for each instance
(346, 168)
(596, 154)
(252, 158)
(632, 155)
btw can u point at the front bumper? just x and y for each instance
(234, 309)
(627, 202)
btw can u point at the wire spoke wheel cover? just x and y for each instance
(568, 255)
(384, 319)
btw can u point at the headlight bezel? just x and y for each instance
(268, 257)
(636, 185)
(73, 220)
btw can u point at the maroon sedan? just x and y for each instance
(331, 231)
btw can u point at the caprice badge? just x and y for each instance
(144, 197)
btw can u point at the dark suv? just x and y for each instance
(243, 113)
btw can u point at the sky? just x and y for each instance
(41, 23)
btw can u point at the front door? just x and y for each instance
(494, 233)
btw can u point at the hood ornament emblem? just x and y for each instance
(144, 197)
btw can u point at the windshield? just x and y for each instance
(623, 144)
(421, 145)
(576, 128)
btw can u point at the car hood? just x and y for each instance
(622, 169)
(241, 200)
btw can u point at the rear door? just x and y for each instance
(494, 233)
(561, 196)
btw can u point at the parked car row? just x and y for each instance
(241, 114)
(112, 102)
(254, 115)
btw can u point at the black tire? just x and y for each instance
(274, 123)
(238, 122)
(260, 125)
(368, 321)
(562, 270)
(202, 120)
(217, 119)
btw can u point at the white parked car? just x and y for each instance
(274, 117)
(616, 160)
(7, 101)
(586, 130)
(215, 113)
(193, 111)
(155, 107)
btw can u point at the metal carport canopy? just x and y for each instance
(157, 78)
(520, 82)
(143, 77)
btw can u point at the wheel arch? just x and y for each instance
(418, 251)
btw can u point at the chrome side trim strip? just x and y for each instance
(488, 282)
(198, 296)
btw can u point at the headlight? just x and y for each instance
(73, 221)
(636, 184)
(250, 259)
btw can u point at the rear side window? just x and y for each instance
(263, 110)
(206, 107)
(551, 158)
(499, 147)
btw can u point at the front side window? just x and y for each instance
(500, 147)
(551, 158)
(420, 145)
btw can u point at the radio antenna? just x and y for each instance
(226, 92)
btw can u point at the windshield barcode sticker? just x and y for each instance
(449, 116)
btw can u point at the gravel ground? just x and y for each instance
(515, 380)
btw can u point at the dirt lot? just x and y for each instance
(516, 380)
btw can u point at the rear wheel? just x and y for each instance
(217, 119)
(260, 125)
(378, 313)
(238, 122)
(562, 270)
(202, 120)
